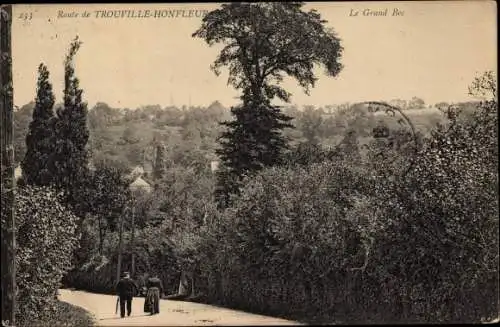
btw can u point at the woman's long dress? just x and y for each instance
(153, 299)
(155, 287)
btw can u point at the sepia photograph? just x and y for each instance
(249, 163)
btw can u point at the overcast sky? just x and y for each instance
(433, 51)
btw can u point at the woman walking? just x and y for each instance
(155, 289)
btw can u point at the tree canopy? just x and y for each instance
(265, 41)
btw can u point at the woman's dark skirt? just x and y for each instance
(152, 302)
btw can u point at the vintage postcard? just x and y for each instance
(249, 163)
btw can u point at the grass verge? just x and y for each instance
(65, 315)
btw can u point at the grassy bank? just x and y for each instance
(65, 314)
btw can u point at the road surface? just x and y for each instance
(172, 313)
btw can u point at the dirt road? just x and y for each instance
(172, 313)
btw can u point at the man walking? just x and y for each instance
(126, 289)
(155, 289)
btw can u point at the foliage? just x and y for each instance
(348, 148)
(308, 153)
(94, 269)
(367, 242)
(106, 127)
(46, 236)
(286, 235)
(261, 44)
(252, 141)
(340, 233)
(154, 254)
(444, 214)
(484, 86)
(183, 199)
(40, 138)
(416, 103)
(71, 156)
(309, 123)
(22, 119)
(130, 135)
(64, 314)
(159, 165)
(165, 221)
(107, 194)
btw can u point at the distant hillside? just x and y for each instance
(128, 138)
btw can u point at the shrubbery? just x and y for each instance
(155, 254)
(289, 241)
(352, 243)
(376, 233)
(46, 237)
(167, 222)
(442, 246)
(338, 241)
(96, 272)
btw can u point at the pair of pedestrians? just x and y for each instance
(127, 289)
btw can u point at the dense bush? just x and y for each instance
(445, 221)
(46, 237)
(286, 237)
(355, 243)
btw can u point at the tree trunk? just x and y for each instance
(133, 240)
(101, 236)
(8, 223)
(183, 284)
(193, 294)
(120, 248)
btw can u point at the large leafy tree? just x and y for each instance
(263, 42)
(108, 197)
(40, 137)
(72, 134)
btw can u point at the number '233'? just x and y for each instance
(26, 16)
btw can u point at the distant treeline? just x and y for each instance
(126, 137)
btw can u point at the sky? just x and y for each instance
(432, 50)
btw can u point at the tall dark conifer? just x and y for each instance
(159, 164)
(40, 137)
(72, 134)
(252, 141)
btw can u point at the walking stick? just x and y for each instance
(117, 302)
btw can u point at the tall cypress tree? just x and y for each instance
(159, 164)
(72, 134)
(40, 137)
